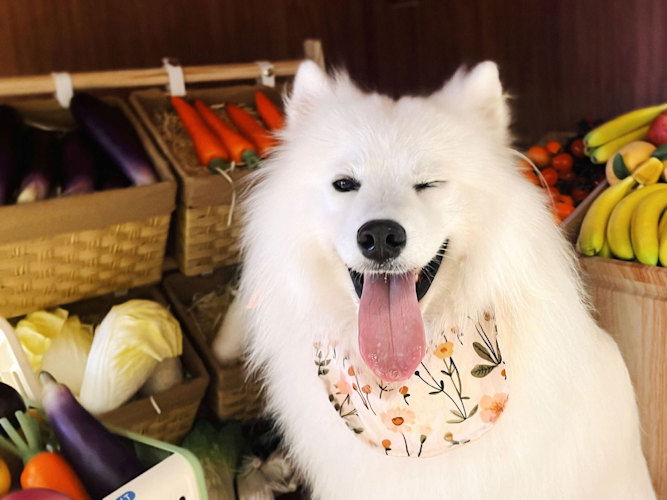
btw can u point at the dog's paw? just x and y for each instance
(228, 343)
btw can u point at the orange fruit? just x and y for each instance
(531, 176)
(566, 199)
(539, 156)
(562, 210)
(553, 147)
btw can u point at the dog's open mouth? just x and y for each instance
(392, 339)
(424, 278)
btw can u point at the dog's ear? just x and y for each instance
(310, 83)
(480, 91)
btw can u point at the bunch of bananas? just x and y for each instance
(603, 142)
(625, 220)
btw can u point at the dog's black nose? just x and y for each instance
(381, 240)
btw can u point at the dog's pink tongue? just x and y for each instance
(391, 329)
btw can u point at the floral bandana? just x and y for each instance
(456, 394)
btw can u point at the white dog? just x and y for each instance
(416, 315)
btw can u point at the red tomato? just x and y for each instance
(553, 147)
(539, 156)
(562, 161)
(577, 148)
(550, 176)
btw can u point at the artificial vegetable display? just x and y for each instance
(103, 462)
(42, 469)
(135, 346)
(241, 149)
(128, 345)
(271, 115)
(42, 166)
(210, 150)
(112, 130)
(102, 152)
(57, 342)
(251, 128)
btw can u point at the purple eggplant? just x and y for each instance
(78, 165)
(101, 459)
(42, 166)
(10, 127)
(37, 494)
(10, 402)
(114, 132)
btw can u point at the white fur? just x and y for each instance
(570, 429)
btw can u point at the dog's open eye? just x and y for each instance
(346, 184)
(425, 185)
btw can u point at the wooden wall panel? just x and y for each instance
(561, 60)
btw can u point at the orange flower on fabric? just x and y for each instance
(350, 371)
(342, 385)
(366, 389)
(403, 390)
(492, 407)
(386, 443)
(398, 419)
(444, 350)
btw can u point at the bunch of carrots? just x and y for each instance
(217, 143)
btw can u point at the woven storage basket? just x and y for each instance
(206, 235)
(169, 415)
(230, 394)
(64, 249)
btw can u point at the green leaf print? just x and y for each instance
(481, 371)
(482, 352)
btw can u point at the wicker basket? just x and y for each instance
(206, 235)
(230, 394)
(167, 416)
(64, 249)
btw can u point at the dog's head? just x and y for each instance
(368, 199)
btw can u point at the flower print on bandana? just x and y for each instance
(457, 393)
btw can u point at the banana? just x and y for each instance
(605, 251)
(627, 159)
(662, 240)
(644, 227)
(622, 125)
(593, 227)
(605, 151)
(618, 227)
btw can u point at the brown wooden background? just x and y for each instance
(562, 60)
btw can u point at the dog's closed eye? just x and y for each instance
(346, 184)
(425, 185)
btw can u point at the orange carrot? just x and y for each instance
(251, 128)
(210, 151)
(269, 112)
(50, 470)
(241, 149)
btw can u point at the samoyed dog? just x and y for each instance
(416, 315)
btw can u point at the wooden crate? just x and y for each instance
(631, 304)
